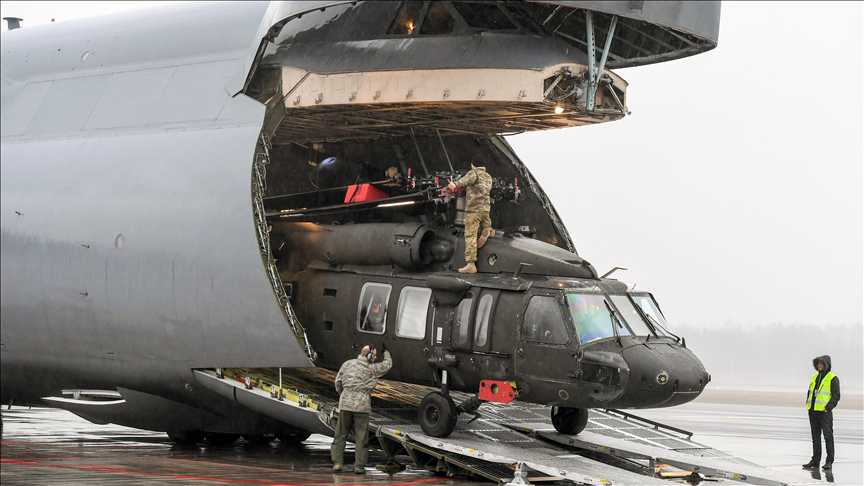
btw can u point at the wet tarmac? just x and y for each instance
(46, 446)
(775, 437)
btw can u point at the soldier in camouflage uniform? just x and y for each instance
(478, 184)
(354, 382)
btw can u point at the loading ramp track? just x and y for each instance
(616, 448)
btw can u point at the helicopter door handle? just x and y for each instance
(519, 352)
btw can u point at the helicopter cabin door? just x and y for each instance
(543, 346)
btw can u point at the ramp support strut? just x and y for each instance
(594, 76)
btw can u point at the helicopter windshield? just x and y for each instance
(593, 317)
(652, 312)
(631, 315)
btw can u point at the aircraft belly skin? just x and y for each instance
(135, 255)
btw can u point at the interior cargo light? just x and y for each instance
(559, 109)
(390, 205)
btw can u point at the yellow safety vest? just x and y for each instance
(823, 394)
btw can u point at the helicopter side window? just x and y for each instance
(437, 21)
(412, 311)
(481, 322)
(631, 315)
(372, 311)
(591, 316)
(463, 313)
(543, 322)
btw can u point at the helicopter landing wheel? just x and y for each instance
(569, 420)
(437, 415)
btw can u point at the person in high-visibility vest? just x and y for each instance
(822, 398)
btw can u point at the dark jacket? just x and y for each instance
(835, 383)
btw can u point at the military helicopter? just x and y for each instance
(535, 323)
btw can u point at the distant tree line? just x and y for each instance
(776, 354)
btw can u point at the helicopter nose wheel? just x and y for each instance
(437, 415)
(569, 420)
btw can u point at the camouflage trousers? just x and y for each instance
(347, 421)
(475, 222)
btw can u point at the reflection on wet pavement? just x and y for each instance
(775, 437)
(47, 446)
(818, 473)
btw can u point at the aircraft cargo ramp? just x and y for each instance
(506, 444)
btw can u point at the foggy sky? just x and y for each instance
(734, 190)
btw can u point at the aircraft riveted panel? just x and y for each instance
(67, 105)
(196, 92)
(136, 91)
(21, 108)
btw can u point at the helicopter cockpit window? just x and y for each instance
(406, 19)
(481, 322)
(463, 313)
(652, 312)
(631, 315)
(592, 317)
(372, 312)
(438, 20)
(543, 322)
(411, 312)
(484, 16)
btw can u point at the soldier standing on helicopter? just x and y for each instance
(478, 184)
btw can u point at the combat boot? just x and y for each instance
(470, 268)
(484, 236)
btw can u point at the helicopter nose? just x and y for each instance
(664, 374)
